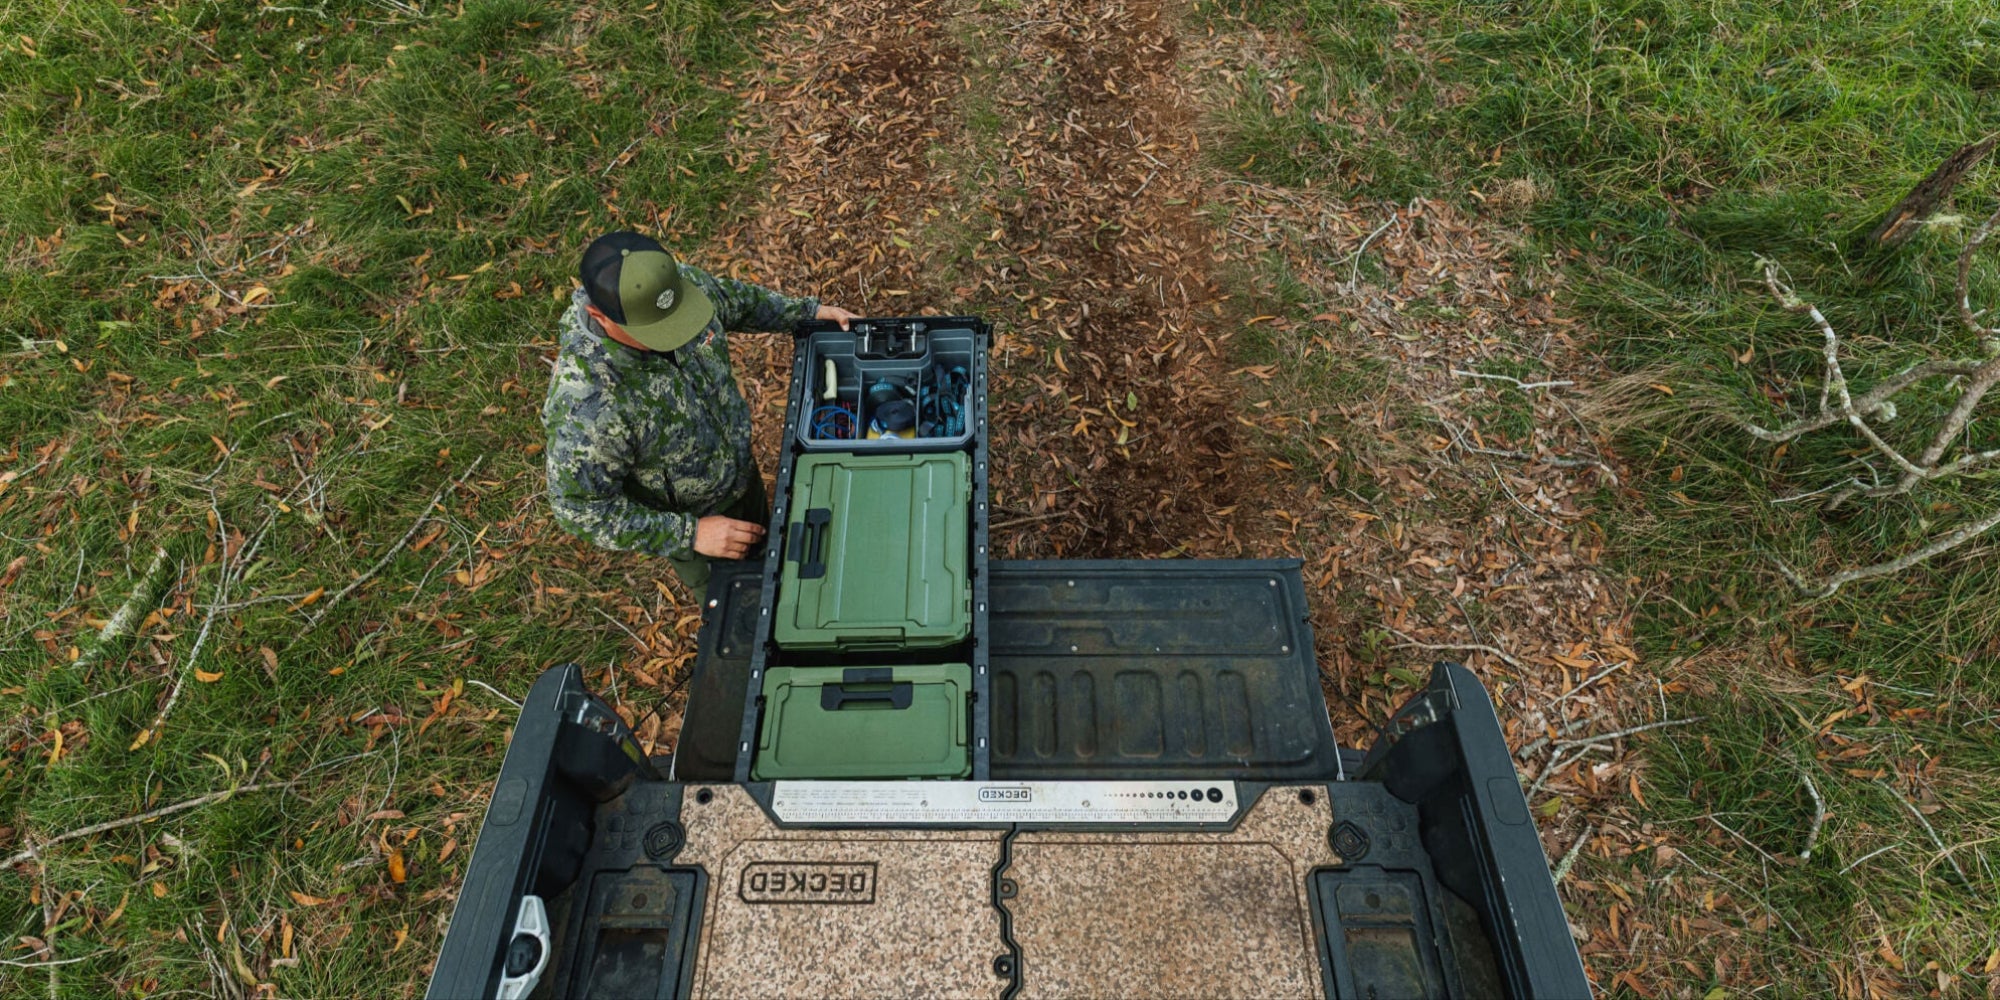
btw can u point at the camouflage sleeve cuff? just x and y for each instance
(680, 535)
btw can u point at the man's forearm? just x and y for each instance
(618, 523)
(746, 306)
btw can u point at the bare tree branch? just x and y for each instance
(1442, 647)
(142, 598)
(1569, 857)
(1838, 405)
(1622, 733)
(1908, 215)
(1836, 381)
(1945, 544)
(1868, 403)
(1965, 313)
(1819, 814)
(1954, 422)
(94, 829)
(393, 549)
(1943, 851)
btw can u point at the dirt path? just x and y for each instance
(1191, 364)
(1036, 166)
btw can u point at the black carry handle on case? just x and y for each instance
(890, 339)
(868, 689)
(808, 544)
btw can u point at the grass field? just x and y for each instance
(274, 280)
(279, 282)
(1656, 151)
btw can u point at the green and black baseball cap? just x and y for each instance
(634, 280)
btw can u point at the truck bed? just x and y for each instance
(1167, 815)
(1101, 669)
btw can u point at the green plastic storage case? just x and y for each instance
(876, 554)
(864, 722)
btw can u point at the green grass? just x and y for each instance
(1671, 145)
(422, 175)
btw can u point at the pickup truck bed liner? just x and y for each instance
(1101, 669)
(1293, 870)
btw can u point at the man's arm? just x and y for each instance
(587, 470)
(741, 305)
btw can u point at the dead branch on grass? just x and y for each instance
(128, 614)
(1870, 856)
(1745, 841)
(1929, 830)
(1819, 815)
(1517, 383)
(496, 692)
(1443, 647)
(1557, 761)
(1974, 378)
(94, 829)
(1909, 214)
(232, 570)
(422, 518)
(1594, 678)
(1569, 857)
(1622, 733)
(10, 963)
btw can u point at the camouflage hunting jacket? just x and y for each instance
(642, 444)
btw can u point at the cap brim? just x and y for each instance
(677, 327)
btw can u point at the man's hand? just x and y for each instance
(719, 537)
(836, 314)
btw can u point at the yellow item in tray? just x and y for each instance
(907, 432)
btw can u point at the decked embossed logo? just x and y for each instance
(807, 882)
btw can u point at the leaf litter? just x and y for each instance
(1044, 166)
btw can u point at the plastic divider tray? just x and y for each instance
(946, 346)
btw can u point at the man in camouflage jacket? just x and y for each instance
(648, 435)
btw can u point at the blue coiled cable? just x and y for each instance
(826, 422)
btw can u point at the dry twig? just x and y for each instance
(231, 572)
(1871, 855)
(145, 817)
(1819, 815)
(393, 549)
(1557, 761)
(1622, 733)
(1517, 383)
(51, 962)
(1838, 404)
(1592, 679)
(1569, 857)
(1929, 830)
(1442, 647)
(1746, 841)
(496, 692)
(128, 614)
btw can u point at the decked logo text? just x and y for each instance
(807, 882)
